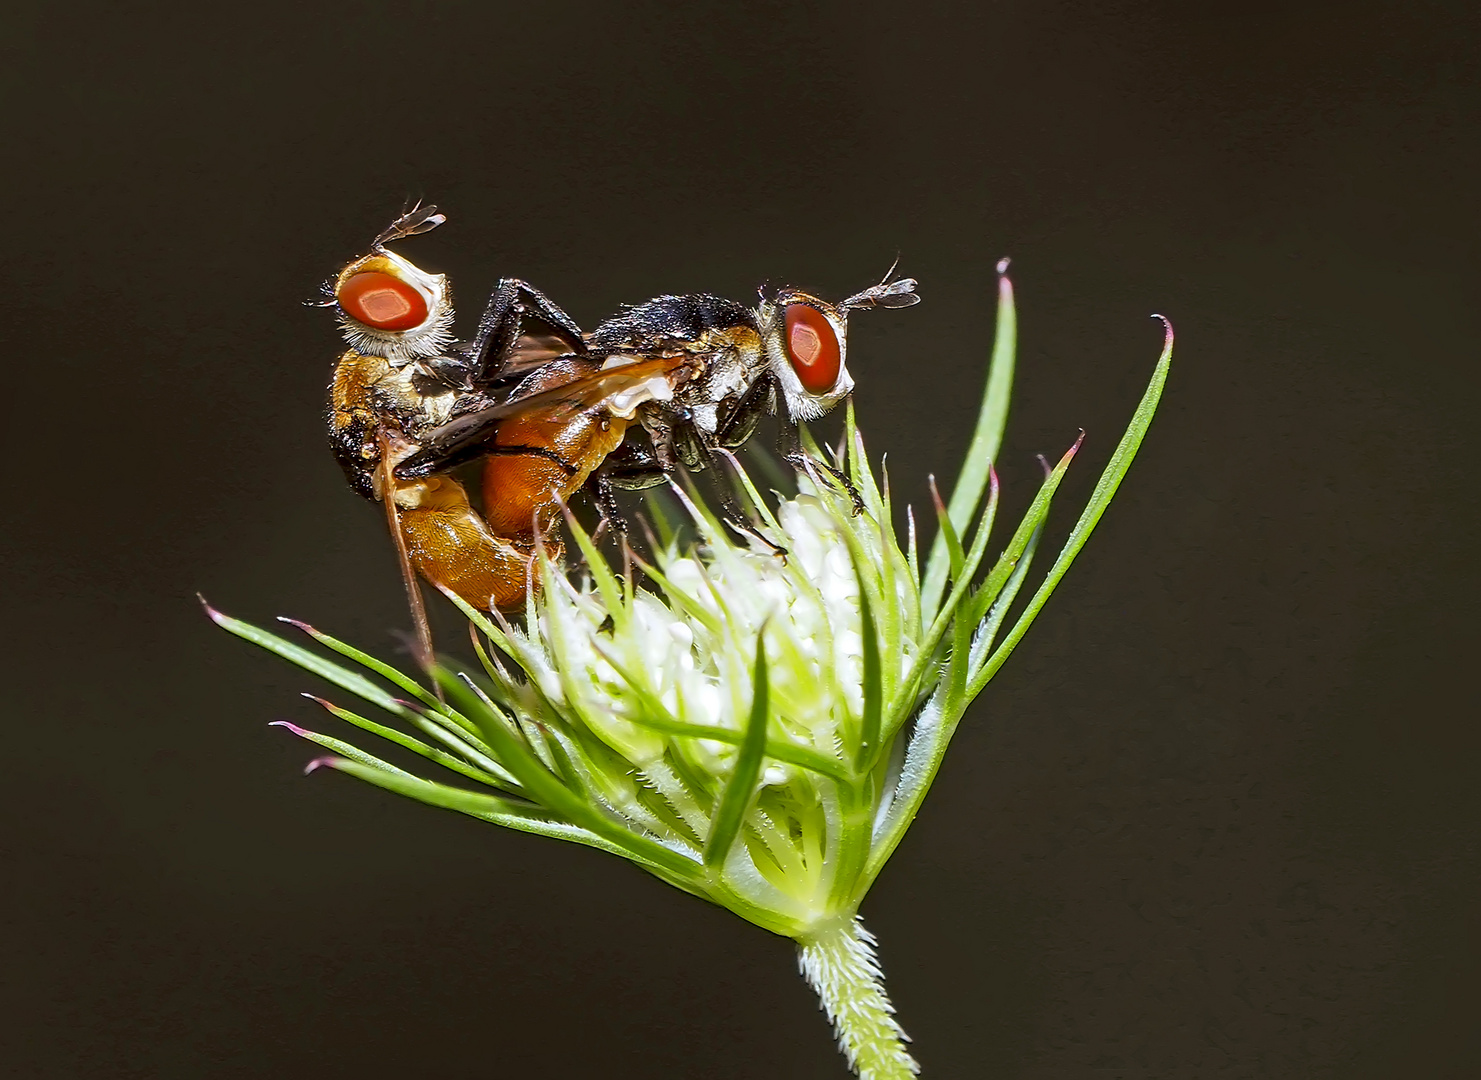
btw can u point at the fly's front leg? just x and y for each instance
(501, 324)
(789, 446)
(740, 423)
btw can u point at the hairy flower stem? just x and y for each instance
(838, 962)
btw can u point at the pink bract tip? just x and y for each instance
(1166, 330)
(935, 494)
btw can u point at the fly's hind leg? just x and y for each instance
(502, 323)
(634, 467)
(422, 628)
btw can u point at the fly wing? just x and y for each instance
(623, 383)
(533, 348)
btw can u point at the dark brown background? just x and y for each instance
(1216, 818)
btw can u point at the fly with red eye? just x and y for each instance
(403, 375)
(548, 409)
(787, 356)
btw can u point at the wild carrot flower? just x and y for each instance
(756, 729)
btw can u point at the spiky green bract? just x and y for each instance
(756, 729)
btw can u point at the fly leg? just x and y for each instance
(602, 494)
(424, 653)
(789, 446)
(631, 467)
(635, 465)
(740, 422)
(634, 468)
(731, 510)
(698, 451)
(502, 325)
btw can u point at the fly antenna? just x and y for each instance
(887, 294)
(418, 219)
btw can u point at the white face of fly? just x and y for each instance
(806, 342)
(389, 307)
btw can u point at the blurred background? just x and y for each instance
(1216, 817)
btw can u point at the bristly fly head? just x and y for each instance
(806, 348)
(807, 341)
(388, 306)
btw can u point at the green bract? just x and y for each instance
(758, 730)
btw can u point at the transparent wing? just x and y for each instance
(458, 440)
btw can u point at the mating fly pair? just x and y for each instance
(549, 410)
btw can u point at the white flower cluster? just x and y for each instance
(663, 677)
(693, 648)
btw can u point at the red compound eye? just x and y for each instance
(383, 301)
(812, 345)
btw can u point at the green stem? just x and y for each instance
(838, 961)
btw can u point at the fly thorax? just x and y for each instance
(727, 377)
(414, 398)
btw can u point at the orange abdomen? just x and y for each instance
(541, 460)
(451, 547)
